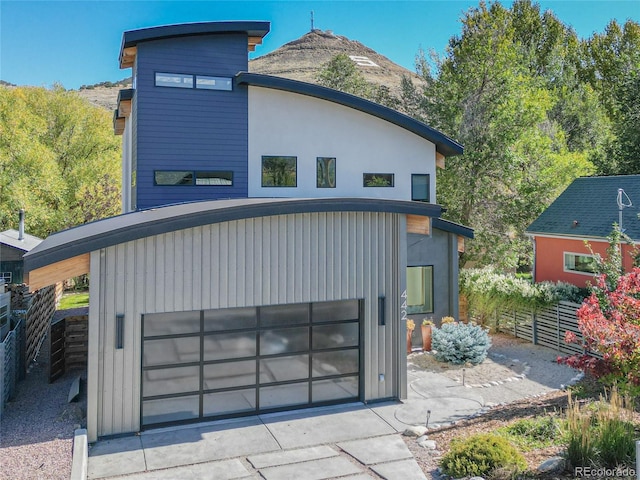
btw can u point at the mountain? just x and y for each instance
(301, 59)
(304, 58)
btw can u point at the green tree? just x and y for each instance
(341, 73)
(612, 68)
(497, 91)
(59, 160)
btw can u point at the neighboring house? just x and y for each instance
(584, 213)
(276, 237)
(13, 245)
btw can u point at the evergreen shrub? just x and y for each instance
(480, 455)
(459, 343)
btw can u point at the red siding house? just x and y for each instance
(585, 212)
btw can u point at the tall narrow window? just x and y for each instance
(326, 172)
(420, 289)
(279, 171)
(420, 187)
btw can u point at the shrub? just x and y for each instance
(481, 454)
(487, 291)
(601, 433)
(609, 321)
(532, 433)
(460, 343)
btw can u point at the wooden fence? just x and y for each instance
(12, 368)
(41, 309)
(69, 339)
(546, 327)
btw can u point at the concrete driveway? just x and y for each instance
(354, 441)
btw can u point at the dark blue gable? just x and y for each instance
(190, 129)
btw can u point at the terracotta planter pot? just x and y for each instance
(426, 338)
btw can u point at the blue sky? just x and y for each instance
(77, 42)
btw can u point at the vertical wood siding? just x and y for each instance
(261, 261)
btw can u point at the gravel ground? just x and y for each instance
(37, 426)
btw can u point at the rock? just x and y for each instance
(422, 438)
(428, 444)
(552, 465)
(72, 413)
(415, 431)
(476, 478)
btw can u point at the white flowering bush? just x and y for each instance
(459, 343)
(487, 291)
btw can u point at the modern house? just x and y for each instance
(275, 237)
(585, 213)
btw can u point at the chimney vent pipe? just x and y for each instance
(21, 228)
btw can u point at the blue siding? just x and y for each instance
(190, 129)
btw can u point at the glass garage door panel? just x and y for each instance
(336, 335)
(284, 395)
(173, 323)
(223, 346)
(335, 311)
(284, 340)
(167, 381)
(230, 319)
(335, 363)
(229, 374)
(167, 351)
(284, 369)
(334, 389)
(170, 409)
(224, 403)
(294, 314)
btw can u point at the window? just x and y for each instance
(213, 83)
(420, 289)
(175, 80)
(579, 263)
(420, 187)
(214, 178)
(164, 177)
(377, 179)
(326, 172)
(188, 177)
(279, 171)
(6, 277)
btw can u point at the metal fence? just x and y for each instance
(546, 327)
(12, 361)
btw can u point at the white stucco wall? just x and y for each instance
(289, 124)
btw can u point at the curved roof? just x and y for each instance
(255, 31)
(135, 225)
(445, 145)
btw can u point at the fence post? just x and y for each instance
(558, 326)
(515, 323)
(534, 328)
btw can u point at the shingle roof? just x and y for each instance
(592, 203)
(10, 237)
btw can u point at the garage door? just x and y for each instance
(243, 361)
